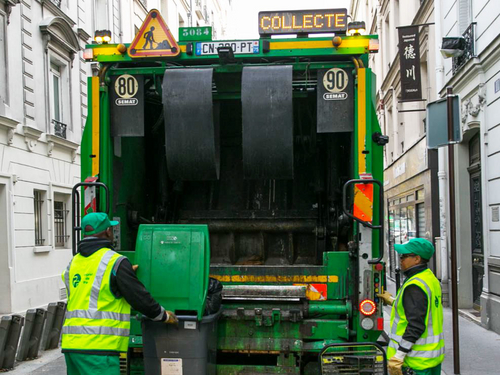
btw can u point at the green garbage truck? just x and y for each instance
(272, 147)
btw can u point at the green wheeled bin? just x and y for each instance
(174, 263)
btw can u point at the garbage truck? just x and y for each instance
(266, 157)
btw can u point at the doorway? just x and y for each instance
(476, 220)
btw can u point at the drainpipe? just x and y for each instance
(191, 11)
(442, 162)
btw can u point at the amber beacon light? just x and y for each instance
(356, 28)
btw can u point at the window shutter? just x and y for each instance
(464, 15)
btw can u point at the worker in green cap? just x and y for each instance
(102, 287)
(416, 339)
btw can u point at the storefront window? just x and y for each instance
(406, 221)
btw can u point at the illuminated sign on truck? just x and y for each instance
(303, 21)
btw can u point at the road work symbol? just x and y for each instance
(153, 39)
(150, 38)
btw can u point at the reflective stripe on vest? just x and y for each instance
(95, 314)
(420, 353)
(95, 318)
(95, 330)
(428, 350)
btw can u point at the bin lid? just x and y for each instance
(174, 263)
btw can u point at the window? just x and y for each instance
(464, 15)
(55, 74)
(3, 59)
(62, 47)
(406, 221)
(60, 222)
(57, 95)
(39, 208)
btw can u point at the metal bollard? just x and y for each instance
(30, 339)
(10, 330)
(53, 326)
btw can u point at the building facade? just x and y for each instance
(410, 170)
(43, 109)
(416, 178)
(475, 76)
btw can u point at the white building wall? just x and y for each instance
(32, 157)
(407, 165)
(475, 82)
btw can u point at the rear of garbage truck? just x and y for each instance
(257, 164)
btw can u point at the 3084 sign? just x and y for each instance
(126, 87)
(335, 82)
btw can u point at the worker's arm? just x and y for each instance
(124, 283)
(415, 306)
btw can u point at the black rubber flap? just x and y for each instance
(127, 105)
(192, 135)
(266, 97)
(335, 93)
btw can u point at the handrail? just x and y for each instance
(365, 223)
(75, 201)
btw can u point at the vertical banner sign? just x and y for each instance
(409, 57)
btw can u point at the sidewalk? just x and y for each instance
(479, 347)
(50, 362)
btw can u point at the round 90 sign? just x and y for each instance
(335, 80)
(126, 86)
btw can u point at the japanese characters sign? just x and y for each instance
(409, 57)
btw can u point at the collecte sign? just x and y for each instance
(303, 21)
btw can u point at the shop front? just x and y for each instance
(412, 200)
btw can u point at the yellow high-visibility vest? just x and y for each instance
(428, 351)
(95, 318)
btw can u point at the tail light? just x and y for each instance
(367, 307)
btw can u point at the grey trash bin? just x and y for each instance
(189, 348)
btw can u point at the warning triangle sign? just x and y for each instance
(154, 39)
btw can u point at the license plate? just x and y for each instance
(210, 48)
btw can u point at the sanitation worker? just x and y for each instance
(102, 287)
(416, 339)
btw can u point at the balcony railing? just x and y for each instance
(470, 48)
(59, 129)
(57, 2)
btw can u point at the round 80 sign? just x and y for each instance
(126, 86)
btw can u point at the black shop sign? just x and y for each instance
(409, 57)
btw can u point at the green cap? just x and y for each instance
(417, 246)
(98, 221)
